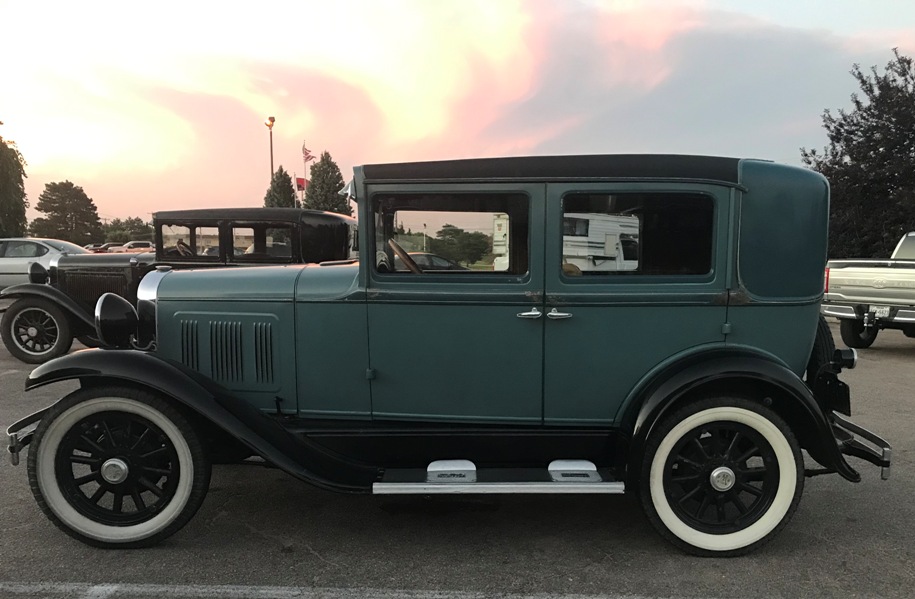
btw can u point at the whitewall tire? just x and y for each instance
(117, 467)
(721, 476)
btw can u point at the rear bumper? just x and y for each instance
(856, 441)
(900, 315)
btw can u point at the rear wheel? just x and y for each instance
(117, 467)
(35, 330)
(721, 476)
(855, 334)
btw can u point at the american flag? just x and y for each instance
(307, 156)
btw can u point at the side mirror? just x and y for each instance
(116, 321)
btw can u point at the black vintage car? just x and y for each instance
(57, 306)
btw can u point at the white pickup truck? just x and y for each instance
(869, 295)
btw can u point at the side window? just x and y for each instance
(24, 249)
(479, 234)
(654, 233)
(253, 242)
(190, 242)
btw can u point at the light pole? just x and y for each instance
(269, 122)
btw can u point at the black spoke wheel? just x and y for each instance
(721, 476)
(117, 467)
(35, 330)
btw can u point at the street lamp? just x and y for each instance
(269, 122)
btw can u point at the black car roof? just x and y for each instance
(606, 166)
(252, 214)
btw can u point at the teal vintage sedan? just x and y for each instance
(631, 323)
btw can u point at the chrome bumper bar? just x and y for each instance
(861, 443)
(19, 437)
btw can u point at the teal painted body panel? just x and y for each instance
(784, 332)
(784, 218)
(271, 283)
(623, 325)
(332, 360)
(247, 347)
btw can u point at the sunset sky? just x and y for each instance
(153, 106)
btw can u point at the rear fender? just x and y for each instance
(743, 373)
(235, 417)
(81, 317)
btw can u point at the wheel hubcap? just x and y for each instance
(32, 332)
(722, 479)
(115, 471)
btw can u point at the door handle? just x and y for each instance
(555, 314)
(532, 315)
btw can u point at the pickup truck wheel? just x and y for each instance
(724, 475)
(823, 349)
(856, 335)
(117, 467)
(35, 330)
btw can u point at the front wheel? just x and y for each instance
(35, 330)
(117, 467)
(856, 335)
(721, 476)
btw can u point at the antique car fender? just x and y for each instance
(295, 455)
(61, 299)
(730, 371)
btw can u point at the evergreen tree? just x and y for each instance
(128, 229)
(323, 190)
(13, 200)
(870, 163)
(281, 193)
(70, 214)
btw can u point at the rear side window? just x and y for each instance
(255, 242)
(637, 233)
(24, 249)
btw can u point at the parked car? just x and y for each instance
(869, 295)
(92, 247)
(680, 380)
(133, 247)
(105, 248)
(428, 262)
(17, 253)
(59, 305)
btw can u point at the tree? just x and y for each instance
(281, 193)
(71, 214)
(322, 192)
(13, 200)
(129, 229)
(870, 162)
(458, 245)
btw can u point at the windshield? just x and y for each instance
(66, 246)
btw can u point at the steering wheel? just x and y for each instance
(405, 257)
(183, 248)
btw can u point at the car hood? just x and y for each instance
(259, 283)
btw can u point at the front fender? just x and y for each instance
(723, 371)
(262, 434)
(52, 294)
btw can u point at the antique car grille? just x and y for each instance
(87, 287)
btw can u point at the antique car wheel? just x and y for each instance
(34, 330)
(117, 467)
(822, 353)
(89, 341)
(721, 476)
(856, 335)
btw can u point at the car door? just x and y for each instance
(457, 345)
(635, 277)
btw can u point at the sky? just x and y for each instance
(157, 106)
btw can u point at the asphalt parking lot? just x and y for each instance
(261, 533)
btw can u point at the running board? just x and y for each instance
(462, 476)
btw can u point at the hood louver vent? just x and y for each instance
(263, 352)
(226, 351)
(190, 357)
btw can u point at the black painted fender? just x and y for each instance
(730, 369)
(266, 437)
(55, 295)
